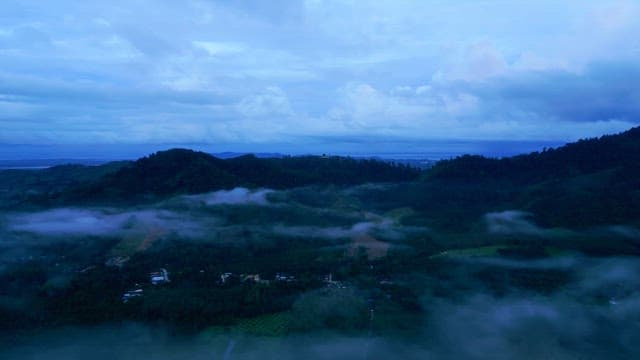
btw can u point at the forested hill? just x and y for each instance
(620, 151)
(589, 182)
(583, 184)
(181, 171)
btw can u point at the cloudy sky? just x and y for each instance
(254, 75)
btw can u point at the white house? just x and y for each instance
(131, 294)
(159, 277)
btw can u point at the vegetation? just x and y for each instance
(180, 171)
(442, 233)
(590, 182)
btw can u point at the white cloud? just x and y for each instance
(616, 15)
(528, 61)
(78, 222)
(235, 196)
(272, 101)
(479, 61)
(212, 72)
(511, 222)
(363, 106)
(220, 48)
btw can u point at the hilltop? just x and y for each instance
(183, 171)
(587, 183)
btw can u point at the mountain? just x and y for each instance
(582, 157)
(182, 171)
(582, 184)
(20, 187)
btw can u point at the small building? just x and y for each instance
(131, 294)
(250, 277)
(159, 277)
(225, 277)
(330, 283)
(328, 279)
(280, 277)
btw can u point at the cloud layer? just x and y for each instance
(245, 74)
(236, 196)
(77, 222)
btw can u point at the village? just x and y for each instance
(161, 277)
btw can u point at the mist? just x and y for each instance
(235, 196)
(561, 306)
(514, 222)
(384, 227)
(597, 313)
(100, 222)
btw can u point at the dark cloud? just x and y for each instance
(185, 72)
(601, 92)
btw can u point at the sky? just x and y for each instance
(314, 75)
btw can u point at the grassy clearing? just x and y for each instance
(277, 324)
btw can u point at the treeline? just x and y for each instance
(20, 187)
(582, 157)
(181, 171)
(580, 185)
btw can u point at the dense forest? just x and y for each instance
(583, 184)
(312, 242)
(180, 171)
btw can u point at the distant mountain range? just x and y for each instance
(46, 163)
(23, 164)
(420, 161)
(182, 171)
(594, 181)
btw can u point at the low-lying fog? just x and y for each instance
(202, 217)
(595, 316)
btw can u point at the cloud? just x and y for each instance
(480, 61)
(270, 102)
(629, 232)
(219, 48)
(538, 102)
(382, 228)
(616, 15)
(235, 196)
(79, 222)
(510, 221)
(577, 321)
(602, 92)
(324, 232)
(246, 74)
(514, 222)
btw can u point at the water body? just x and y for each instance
(43, 156)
